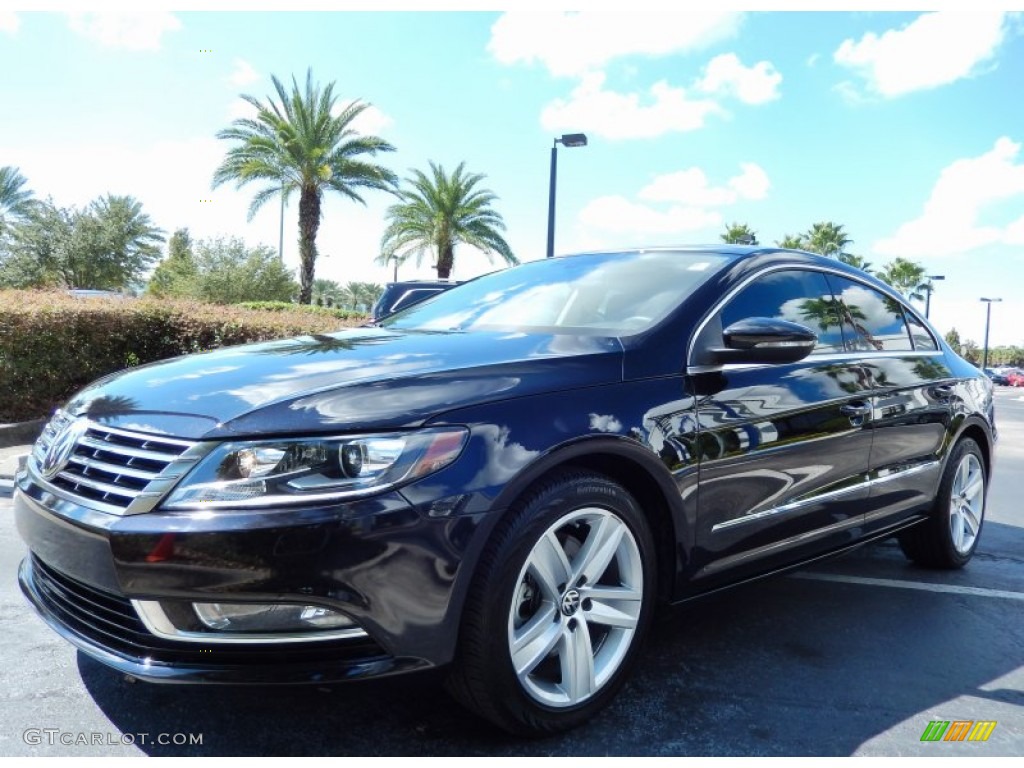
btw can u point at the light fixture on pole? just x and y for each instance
(928, 288)
(988, 320)
(566, 140)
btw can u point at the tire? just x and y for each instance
(948, 538)
(559, 607)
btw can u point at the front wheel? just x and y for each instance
(948, 538)
(559, 607)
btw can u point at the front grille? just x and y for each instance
(109, 467)
(110, 621)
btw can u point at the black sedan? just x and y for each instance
(506, 479)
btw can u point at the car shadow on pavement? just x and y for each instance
(781, 667)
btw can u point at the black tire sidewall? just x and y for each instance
(943, 505)
(553, 503)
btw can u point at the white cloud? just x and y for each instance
(572, 43)
(616, 214)
(1014, 233)
(240, 108)
(134, 31)
(372, 121)
(949, 223)
(691, 187)
(726, 74)
(679, 203)
(752, 184)
(9, 21)
(243, 74)
(614, 115)
(935, 49)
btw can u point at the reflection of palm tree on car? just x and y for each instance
(826, 313)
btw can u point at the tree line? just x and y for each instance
(299, 141)
(828, 238)
(908, 277)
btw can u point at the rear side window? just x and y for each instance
(412, 296)
(796, 295)
(872, 321)
(923, 340)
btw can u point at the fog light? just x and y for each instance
(268, 617)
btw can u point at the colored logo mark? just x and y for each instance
(958, 730)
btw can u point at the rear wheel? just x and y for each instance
(559, 608)
(950, 535)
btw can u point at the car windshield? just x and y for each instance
(610, 294)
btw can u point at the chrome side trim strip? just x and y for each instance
(827, 496)
(904, 473)
(790, 507)
(155, 619)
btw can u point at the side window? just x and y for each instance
(799, 296)
(923, 340)
(412, 296)
(872, 321)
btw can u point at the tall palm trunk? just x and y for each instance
(445, 261)
(309, 223)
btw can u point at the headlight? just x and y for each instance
(289, 472)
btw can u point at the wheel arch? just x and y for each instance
(639, 472)
(978, 431)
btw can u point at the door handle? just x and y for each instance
(856, 410)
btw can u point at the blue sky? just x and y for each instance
(905, 127)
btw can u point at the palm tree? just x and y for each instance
(795, 242)
(439, 212)
(299, 143)
(15, 200)
(855, 261)
(739, 233)
(826, 238)
(327, 292)
(907, 277)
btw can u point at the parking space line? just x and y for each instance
(919, 585)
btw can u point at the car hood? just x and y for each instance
(364, 378)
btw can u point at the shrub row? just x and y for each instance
(52, 344)
(285, 306)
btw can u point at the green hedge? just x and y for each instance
(285, 306)
(51, 344)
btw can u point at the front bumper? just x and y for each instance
(390, 567)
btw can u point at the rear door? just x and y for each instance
(913, 390)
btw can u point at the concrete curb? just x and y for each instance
(20, 433)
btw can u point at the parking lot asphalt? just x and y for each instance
(851, 656)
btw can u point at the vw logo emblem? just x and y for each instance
(59, 451)
(570, 602)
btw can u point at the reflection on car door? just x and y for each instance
(912, 392)
(783, 449)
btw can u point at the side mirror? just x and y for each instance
(764, 340)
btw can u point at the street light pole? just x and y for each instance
(988, 320)
(566, 140)
(928, 292)
(280, 239)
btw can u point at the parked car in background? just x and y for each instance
(998, 376)
(398, 296)
(95, 293)
(1015, 378)
(507, 480)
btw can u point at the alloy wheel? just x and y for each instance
(576, 607)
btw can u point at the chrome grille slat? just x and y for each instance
(119, 448)
(115, 470)
(96, 485)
